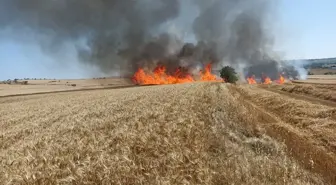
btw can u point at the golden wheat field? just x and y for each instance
(197, 133)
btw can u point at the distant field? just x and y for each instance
(321, 77)
(318, 79)
(41, 86)
(322, 71)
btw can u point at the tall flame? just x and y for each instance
(159, 76)
(281, 80)
(207, 76)
(251, 80)
(267, 80)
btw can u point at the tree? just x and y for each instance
(228, 74)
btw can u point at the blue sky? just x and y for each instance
(310, 28)
(307, 29)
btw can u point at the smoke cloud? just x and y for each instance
(124, 35)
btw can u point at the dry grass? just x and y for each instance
(326, 92)
(179, 134)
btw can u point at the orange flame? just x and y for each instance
(251, 80)
(267, 80)
(207, 76)
(281, 80)
(159, 76)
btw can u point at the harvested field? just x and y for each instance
(199, 133)
(330, 87)
(315, 82)
(46, 86)
(318, 79)
(322, 92)
(320, 87)
(322, 77)
(321, 72)
(300, 114)
(317, 91)
(306, 128)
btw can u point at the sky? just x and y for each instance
(305, 29)
(309, 28)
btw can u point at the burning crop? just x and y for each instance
(251, 80)
(160, 76)
(207, 76)
(266, 80)
(281, 80)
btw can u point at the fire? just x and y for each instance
(251, 80)
(267, 80)
(159, 76)
(281, 80)
(207, 76)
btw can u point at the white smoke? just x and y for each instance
(299, 67)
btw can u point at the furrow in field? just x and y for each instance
(307, 129)
(300, 96)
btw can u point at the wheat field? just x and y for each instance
(199, 133)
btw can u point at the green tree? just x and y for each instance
(228, 74)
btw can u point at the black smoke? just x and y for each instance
(114, 30)
(272, 70)
(124, 34)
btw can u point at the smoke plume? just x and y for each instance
(125, 34)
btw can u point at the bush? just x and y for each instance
(228, 74)
(329, 73)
